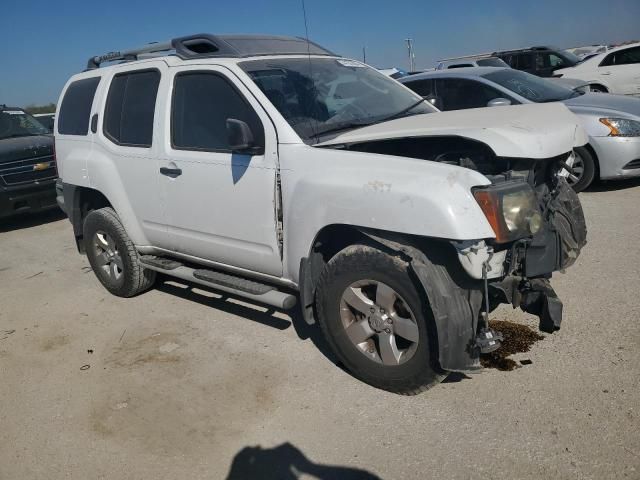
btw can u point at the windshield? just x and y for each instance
(16, 123)
(570, 57)
(320, 96)
(529, 86)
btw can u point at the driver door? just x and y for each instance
(221, 205)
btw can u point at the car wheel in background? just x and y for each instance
(113, 256)
(598, 88)
(584, 169)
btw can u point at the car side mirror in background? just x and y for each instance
(433, 100)
(499, 102)
(241, 139)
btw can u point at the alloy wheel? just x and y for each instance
(379, 322)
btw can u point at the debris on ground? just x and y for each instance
(517, 338)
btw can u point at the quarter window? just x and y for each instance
(73, 117)
(202, 103)
(128, 117)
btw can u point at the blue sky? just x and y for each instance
(43, 42)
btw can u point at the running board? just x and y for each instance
(250, 289)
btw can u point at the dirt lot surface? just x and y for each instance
(182, 383)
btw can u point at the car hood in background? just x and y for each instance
(524, 131)
(19, 148)
(605, 101)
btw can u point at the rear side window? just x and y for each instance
(131, 103)
(202, 103)
(73, 117)
(524, 61)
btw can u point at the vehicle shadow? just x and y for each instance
(613, 185)
(29, 220)
(265, 315)
(287, 462)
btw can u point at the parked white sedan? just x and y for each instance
(615, 71)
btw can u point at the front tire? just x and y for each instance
(113, 256)
(376, 320)
(584, 167)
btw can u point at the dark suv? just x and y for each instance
(540, 61)
(27, 163)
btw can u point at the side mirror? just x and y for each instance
(240, 137)
(499, 102)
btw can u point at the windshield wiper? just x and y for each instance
(401, 112)
(341, 127)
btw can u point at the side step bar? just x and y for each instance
(242, 287)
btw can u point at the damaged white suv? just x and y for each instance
(272, 169)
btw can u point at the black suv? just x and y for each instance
(540, 61)
(27, 163)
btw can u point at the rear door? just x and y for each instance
(221, 206)
(129, 137)
(621, 70)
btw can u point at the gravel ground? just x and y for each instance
(182, 383)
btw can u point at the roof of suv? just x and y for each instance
(205, 45)
(528, 49)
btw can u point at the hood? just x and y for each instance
(607, 103)
(19, 148)
(524, 131)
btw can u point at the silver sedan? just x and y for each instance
(612, 121)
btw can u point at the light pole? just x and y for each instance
(412, 56)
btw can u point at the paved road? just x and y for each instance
(185, 384)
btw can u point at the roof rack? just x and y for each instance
(205, 45)
(477, 55)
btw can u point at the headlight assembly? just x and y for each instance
(622, 127)
(511, 209)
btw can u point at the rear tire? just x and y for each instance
(587, 170)
(368, 278)
(112, 255)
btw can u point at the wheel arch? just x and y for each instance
(80, 201)
(454, 302)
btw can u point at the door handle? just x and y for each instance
(605, 73)
(171, 172)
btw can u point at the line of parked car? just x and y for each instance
(275, 170)
(543, 75)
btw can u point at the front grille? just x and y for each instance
(632, 164)
(24, 171)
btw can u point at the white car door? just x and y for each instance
(621, 70)
(127, 128)
(221, 205)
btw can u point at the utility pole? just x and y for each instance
(412, 56)
(364, 54)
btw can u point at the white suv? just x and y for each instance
(272, 169)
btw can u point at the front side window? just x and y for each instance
(18, 123)
(424, 88)
(73, 118)
(323, 96)
(202, 104)
(131, 103)
(460, 94)
(529, 86)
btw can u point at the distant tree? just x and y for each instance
(50, 108)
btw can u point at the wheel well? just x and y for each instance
(86, 200)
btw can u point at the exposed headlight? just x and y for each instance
(622, 127)
(511, 209)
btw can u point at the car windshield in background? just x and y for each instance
(320, 96)
(529, 86)
(492, 62)
(570, 57)
(16, 123)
